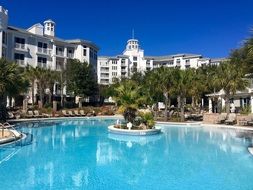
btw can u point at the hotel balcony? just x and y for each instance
(123, 64)
(178, 64)
(123, 70)
(43, 51)
(20, 62)
(104, 70)
(60, 54)
(59, 67)
(70, 55)
(20, 47)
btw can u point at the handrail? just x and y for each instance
(6, 126)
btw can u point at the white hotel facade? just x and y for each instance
(38, 46)
(133, 59)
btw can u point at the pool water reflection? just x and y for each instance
(81, 154)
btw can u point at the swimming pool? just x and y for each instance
(81, 154)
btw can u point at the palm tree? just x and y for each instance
(127, 96)
(162, 81)
(52, 77)
(182, 84)
(42, 82)
(31, 74)
(230, 77)
(12, 82)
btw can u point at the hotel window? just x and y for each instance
(84, 52)
(4, 38)
(59, 51)
(42, 62)
(123, 60)
(3, 52)
(114, 61)
(178, 61)
(19, 58)
(187, 61)
(19, 40)
(170, 63)
(114, 74)
(135, 58)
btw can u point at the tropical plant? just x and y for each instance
(161, 80)
(12, 83)
(147, 119)
(182, 85)
(127, 95)
(81, 80)
(230, 77)
(31, 74)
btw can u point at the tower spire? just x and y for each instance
(133, 33)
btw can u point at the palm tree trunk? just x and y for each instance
(41, 96)
(3, 110)
(181, 105)
(166, 105)
(227, 104)
(33, 93)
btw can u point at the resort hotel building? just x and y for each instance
(38, 46)
(133, 59)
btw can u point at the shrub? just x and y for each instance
(130, 114)
(147, 119)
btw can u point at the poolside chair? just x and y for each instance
(45, 115)
(10, 115)
(231, 119)
(30, 114)
(65, 114)
(71, 114)
(76, 113)
(37, 114)
(221, 119)
(82, 113)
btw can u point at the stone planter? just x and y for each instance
(113, 129)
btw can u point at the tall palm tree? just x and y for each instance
(162, 81)
(230, 77)
(12, 82)
(182, 84)
(42, 82)
(31, 74)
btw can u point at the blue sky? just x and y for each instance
(211, 27)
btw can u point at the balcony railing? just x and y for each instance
(104, 70)
(60, 53)
(44, 51)
(70, 55)
(41, 65)
(19, 46)
(20, 62)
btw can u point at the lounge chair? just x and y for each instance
(76, 113)
(71, 114)
(37, 114)
(46, 115)
(231, 119)
(82, 113)
(65, 114)
(221, 119)
(248, 120)
(10, 115)
(30, 114)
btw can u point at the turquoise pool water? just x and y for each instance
(80, 154)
